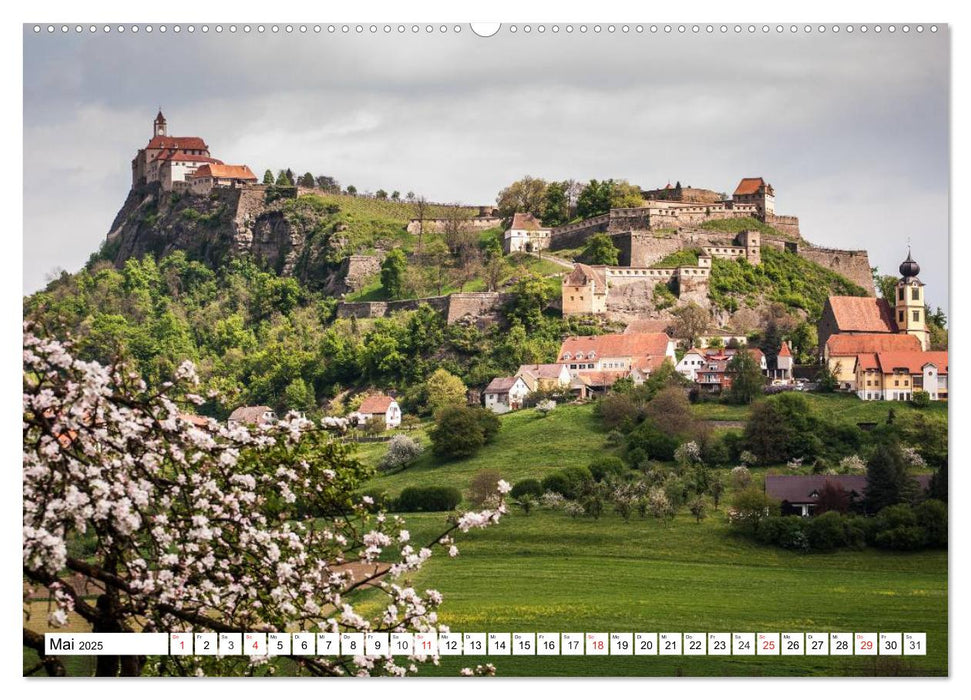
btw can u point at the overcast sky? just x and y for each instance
(851, 130)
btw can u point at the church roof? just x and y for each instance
(862, 314)
(750, 185)
(188, 157)
(183, 143)
(857, 343)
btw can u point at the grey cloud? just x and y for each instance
(851, 130)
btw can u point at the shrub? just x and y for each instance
(741, 477)
(920, 399)
(698, 508)
(483, 486)
(618, 411)
(460, 431)
(648, 441)
(787, 531)
(614, 438)
(932, 516)
(417, 499)
(552, 500)
(606, 467)
(687, 453)
(568, 482)
(827, 532)
(525, 487)
(402, 450)
(749, 509)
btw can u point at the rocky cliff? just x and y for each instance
(307, 237)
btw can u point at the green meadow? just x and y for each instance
(548, 572)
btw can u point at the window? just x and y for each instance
(900, 293)
(914, 293)
(916, 315)
(900, 316)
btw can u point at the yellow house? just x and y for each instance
(841, 350)
(585, 291)
(895, 376)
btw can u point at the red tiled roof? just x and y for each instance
(249, 414)
(526, 222)
(784, 350)
(797, 488)
(862, 314)
(858, 343)
(867, 360)
(228, 172)
(757, 354)
(181, 155)
(185, 143)
(195, 419)
(547, 371)
(749, 185)
(500, 385)
(616, 345)
(379, 403)
(583, 275)
(598, 378)
(912, 362)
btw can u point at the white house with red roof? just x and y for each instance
(599, 360)
(505, 394)
(525, 234)
(382, 406)
(690, 363)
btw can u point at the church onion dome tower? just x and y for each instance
(909, 269)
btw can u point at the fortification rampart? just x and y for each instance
(854, 265)
(453, 306)
(478, 223)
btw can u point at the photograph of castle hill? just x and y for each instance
(415, 332)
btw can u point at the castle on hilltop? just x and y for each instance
(676, 218)
(183, 163)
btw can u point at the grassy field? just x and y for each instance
(548, 572)
(842, 407)
(571, 435)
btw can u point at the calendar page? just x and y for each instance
(591, 349)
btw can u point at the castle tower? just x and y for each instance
(909, 309)
(752, 242)
(160, 123)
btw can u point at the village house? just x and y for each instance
(505, 394)
(840, 352)
(584, 291)
(258, 416)
(526, 234)
(600, 360)
(219, 175)
(379, 405)
(799, 494)
(697, 360)
(870, 316)
(895, 376)
(548, 377)
(690, 363)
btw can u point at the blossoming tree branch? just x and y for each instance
(188, 527)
